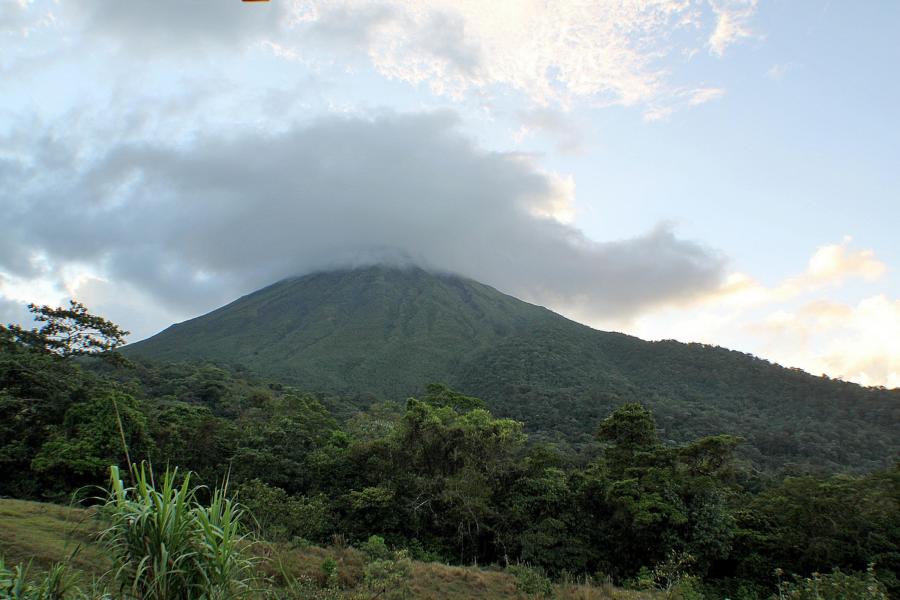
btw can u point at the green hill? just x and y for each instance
(378, 330)
(388, 332)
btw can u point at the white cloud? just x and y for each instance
(703, 95)
(601, 52)
(681, 99)
(856, 342)
(22, 18)
(834, 263)
(598, 53)
(780, 71)
(795, 323)
(829, 266)
(568, 133)
(732, 23)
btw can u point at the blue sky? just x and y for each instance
(715, 171)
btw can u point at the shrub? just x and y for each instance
(833, 586)
(688, 587)
(279, 516)
(329, 568)
(388, 577)
(532, 581)
(375, 548)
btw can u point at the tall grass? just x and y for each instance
(166, 545)
(56, 584)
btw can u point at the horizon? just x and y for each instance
(712, 172)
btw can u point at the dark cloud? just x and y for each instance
(15, 313)
(195, 225)
(175, 26)
(349, 29)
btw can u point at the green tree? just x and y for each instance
(89, 440)
(71, 331)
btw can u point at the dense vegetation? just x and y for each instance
(386, 333)
(38, 539)
(441, 478)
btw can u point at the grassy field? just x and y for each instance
(49, 533)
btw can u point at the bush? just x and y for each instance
(834, 586)
(687, 587)
(329, 569)
(532, 581)
(388, 577)
(279, 516)
(375, 548)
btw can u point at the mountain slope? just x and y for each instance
(389, 332)
(379, 330)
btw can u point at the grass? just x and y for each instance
(48, 533)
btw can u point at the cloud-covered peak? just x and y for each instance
(197, 224)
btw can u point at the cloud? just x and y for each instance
(703, 95)
(847, 341)
(12, 311)
(598, 53)
(829, 266)
(732, 23)
(569, 133)
(603, 52)
(20, 18)
(195, 224)
(794, 322)
(680, 99)
(780, 71)
(170, 27)
(834, 263)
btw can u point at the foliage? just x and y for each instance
(71, 331)
(55, 584)
(375, 548)
(833, 586)
(294, 517)
(166, 545)
(532, 581)
(89, 439)
(330, 572)
(439, 475)
(385, 333)
(806, 525)
(285, 573)
(388, 576)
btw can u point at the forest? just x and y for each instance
(385, 333)
(436, 478)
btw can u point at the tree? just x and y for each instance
(65, 332)
(631, 427)
(630, 432)
(91, 438)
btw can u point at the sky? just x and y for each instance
(715, 171)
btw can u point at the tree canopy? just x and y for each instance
(71, 331)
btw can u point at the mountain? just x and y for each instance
(388, 332)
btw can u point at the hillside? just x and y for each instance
(44, 534)
(388, 332)
(378, 330)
